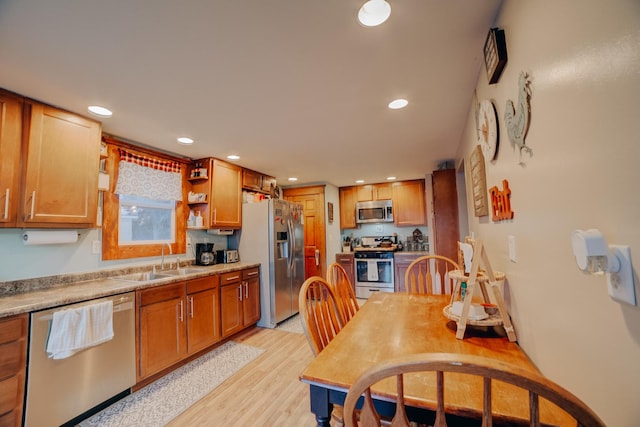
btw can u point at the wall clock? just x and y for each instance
(488, 137)
(495, 54)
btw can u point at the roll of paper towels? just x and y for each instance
(49, 237)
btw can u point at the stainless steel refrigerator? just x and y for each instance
(272, 234)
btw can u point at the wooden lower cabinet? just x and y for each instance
(251, 297)
(162, 333)
(347, 261)
(239, 300)
(13, 356)
(203, 309)
(401, 261)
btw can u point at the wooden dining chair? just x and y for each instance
(322, 319)
(343, 289)
(488, 369)
(425, 272)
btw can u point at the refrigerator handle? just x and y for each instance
(292, 242)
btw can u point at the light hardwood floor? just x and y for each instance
(265, 393)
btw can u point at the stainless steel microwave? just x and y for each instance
(371, 212)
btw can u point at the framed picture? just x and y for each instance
(330, 211)
(495, 54)
(479, 183)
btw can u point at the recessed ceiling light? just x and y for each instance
(398, 103)
(391, 178)
(233, 157)
(185, 140)
(374, 12)
(293, 178)
(100, 111)
(359, 181)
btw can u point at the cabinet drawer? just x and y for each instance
(9, 392)
(10, 358)
(250, 273)
(161, 293)
(228, 278)
(13, 329)
(345, 258)
(202, 284)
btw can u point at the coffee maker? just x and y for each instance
(204, 254)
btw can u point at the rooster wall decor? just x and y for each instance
(517, 117)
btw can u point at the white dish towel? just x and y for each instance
(372, 271)
(76, 329)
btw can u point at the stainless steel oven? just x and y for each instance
(374, 272)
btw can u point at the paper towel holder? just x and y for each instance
(594, 256)
(49, 237)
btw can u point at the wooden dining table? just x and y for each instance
(391, 325)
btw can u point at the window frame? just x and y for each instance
(111, 249)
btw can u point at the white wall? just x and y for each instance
(584, 59)
(333, 242)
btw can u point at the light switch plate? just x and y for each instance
(620, 284)
(95, 247)
(512, 248)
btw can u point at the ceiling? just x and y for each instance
(295, 88)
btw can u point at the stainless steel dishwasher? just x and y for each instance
(60, 390)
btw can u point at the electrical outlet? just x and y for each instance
(188, 242)
(620, 284)
(379, 228)
(512, 248)
(95, 247)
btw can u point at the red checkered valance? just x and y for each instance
(161, 165)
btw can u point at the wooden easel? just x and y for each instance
(480, 255)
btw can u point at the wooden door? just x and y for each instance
(60, 176)
(251, 297)
(226, 195)
(10, 139)
(163, 335)
(312, 200)
(445, 213)
(203, 326)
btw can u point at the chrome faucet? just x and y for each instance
(170, 253)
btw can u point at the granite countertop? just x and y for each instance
(25, 296)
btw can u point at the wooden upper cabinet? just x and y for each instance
(226, 195)
(61, 154)
(371, 192)
(348, 198)
(223, 186)
(10, 140)
(409, 207)
(251, 180)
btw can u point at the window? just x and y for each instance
(144, 221)
(137, 225)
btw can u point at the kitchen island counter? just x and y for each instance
(25, 296)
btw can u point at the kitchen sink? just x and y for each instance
(183, 271)
(143, 277)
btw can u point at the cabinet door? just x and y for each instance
(251, 180)
(163, 339)
(347, 262)
(203, 326)
(348, 196)
(401, 262)
(251, 297)
(10, 138)
(226, 195)
(382, 191)
(231, 319)
(60, 174)
(409, 206)
(365, 193)
(268, 184)
(13, 354)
